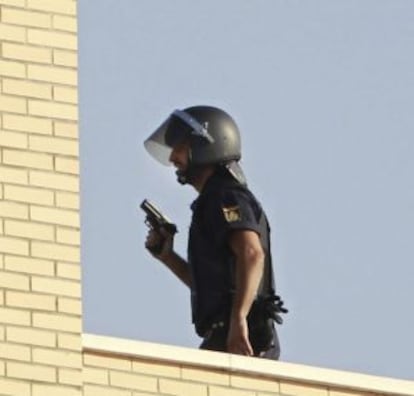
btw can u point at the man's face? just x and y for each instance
(179, 156)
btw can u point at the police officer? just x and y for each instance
(229, 267)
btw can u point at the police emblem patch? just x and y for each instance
(232, 214)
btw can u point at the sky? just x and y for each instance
(323, 94)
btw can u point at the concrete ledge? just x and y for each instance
(248, 365)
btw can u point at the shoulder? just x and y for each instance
(240, 195)
(225, 202)
(236, 207)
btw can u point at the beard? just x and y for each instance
(188, 175)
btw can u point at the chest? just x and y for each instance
(206, 233)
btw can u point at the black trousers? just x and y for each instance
(216, 340)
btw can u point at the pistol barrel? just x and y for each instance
(155, 218)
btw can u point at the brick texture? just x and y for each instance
(30, 300)
(67, 200)
(13, 210)
(26, 18)
(12, 69)
(60, 7)
(29, 265)
(65, 58)
(207, 376)
(220, 391)
(70, 377)
(182, 388)
(12, 33)
(13, 139)
(14, 316)
(27, 124)
(27, 88)
(29, 195)
(13, 175)
(134, 381)
(28, 53)
(65, 129)
(52, 39)
(14, 387)
(65, 94)
(113, 374)
(69, 236)
(31, 336)
(95, 376)
(55, 286)
(67, 23)
(94, 390)
(12, 104)
(243, 381)
(14, 245)
(52, 74)
(295, 389)
(69, 306)
(54, 145)
(15, 352)
(53, 110)
(69, 341)
(40, 289)
(43, 390)
(17, 3)
(56, 357)
(31, 372)
(28, 159)
(57, 322)
(10, 280)
(163, 370)
(53, 180)
(68, 270)
(55, 216)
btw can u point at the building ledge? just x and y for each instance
(241, 364)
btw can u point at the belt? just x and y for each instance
(214, 326)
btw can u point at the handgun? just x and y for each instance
(156, 220)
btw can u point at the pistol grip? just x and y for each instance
(156, 249)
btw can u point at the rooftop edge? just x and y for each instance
(248, 365)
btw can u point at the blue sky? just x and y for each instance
(323, 93)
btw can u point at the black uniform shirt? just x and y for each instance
(222, 207)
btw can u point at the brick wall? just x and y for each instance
(119, 367)
(40, 306)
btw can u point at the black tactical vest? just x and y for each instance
(210, 258)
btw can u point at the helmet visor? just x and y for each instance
(168, 135)
(156, 145)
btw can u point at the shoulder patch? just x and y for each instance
(232, 213)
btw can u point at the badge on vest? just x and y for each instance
(232, 214)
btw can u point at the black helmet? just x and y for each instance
(212, 133)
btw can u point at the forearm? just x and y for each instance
(166, 254)
(179, 267)
(249, 270)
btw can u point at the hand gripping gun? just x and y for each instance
(156, 221)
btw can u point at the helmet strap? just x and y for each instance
(187, 175)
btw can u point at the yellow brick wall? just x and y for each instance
(117, 375)
(40, 292)
(120, 367)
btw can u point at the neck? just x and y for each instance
(202, 178)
